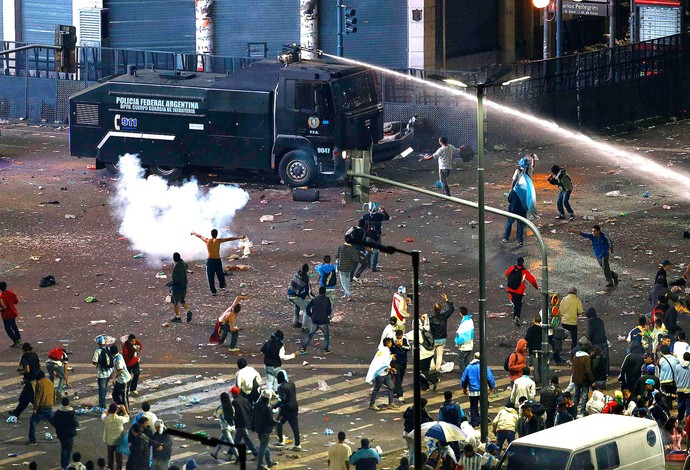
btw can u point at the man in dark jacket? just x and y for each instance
(671, 321)
(65, 424)
(660, 277)
(262, 423)
(138, 449)
(582, 376)
(242, 411)
(373, 227)
(596, 333)
(288, 409)
(529, 423)
(533, 338)
(515, 207)
(319, 309)
(274, 355)
(548, 399)
(438, 322)
(408, 425)
(297, 293)
(657, 291)
(650, 373)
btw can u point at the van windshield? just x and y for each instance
(519, 457)
(354, 92)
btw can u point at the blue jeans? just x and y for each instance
(300, 306)
(374, 253)
(59, 371)
(264, 452)
(241, 435)
(386, 380)
(66, 444)
(564, 200)
(38, 416)
(683, 405)
(580, 396)
(503, 436)
(474, 411)
(226, 435)
(345, 282)
(314, 328)
(271, 373)
(520, 230)
(102, 391)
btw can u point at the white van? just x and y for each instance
(596, 442)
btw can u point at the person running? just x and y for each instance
(373, 226)
(9, 314)
(65, 423)
(274, 353)
(121, 378)
(328, 278)
(214, 265)
(438, 322)
(248, 380)
(130, 352)
(104, 368)
(601, 246)
(227, 323)
(225, 413)
(297, 294)
(516, 276)
(516, 207)
(242, 411)
(339, 454)
(319, 310)
(29, 367)
(444, 154)
(559, 177)
(178, 289)
(44, 397)
(346, 260)
(288, 409)
(379, 374)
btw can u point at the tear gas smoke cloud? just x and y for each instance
(157, 218)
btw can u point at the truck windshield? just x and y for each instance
(354, 92)
(519, 457)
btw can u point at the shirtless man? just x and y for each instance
(227, 322)
(214, 266)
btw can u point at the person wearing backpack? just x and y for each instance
(104, 368)
(9, 314)
(56, 366)
(450, 411)
(65, 423)
(560, 178)
(516, 276)
(328, 278)
(516, 361)
(601, 246)
(471, 385)
(373, 221)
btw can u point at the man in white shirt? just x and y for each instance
(523, 387)
(680, 346)
(247, 379)
(389, 330)
(121, 378)
(445, 162)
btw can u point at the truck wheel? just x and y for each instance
(113, 168)
(169, 173)
(297, 169)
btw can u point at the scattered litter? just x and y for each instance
(11, 419)
(138, 256)
(613, 193)
(447, 367)
(328, 432)
(623, 214)
(646, 194)
(113, 302)
(497, 315)
(267, 242)
(90, 299)
(348, 374)
(409, 240)
(48, 436)
(34, 258)
(588, 217)
(323, 386)
(308, 255)
(266, 218)
(49, 202)
(667, 207)
(161, 275)
(96, 322)
(70, 216)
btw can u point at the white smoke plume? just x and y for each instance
(157, 219)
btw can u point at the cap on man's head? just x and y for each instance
(584, 341)
(649, 382)
(618, 394)
(666, 263)
(650, 369)
(234, 391)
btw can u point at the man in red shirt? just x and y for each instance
(516, 276)
(130, 353)
(8, 311)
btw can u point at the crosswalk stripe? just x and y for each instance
(12, 460)
(18, 380)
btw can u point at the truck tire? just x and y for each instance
(297, 169)
(170, 173)
(113, 168)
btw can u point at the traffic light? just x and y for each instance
(65, 57)
(555, 311)
(350, 21)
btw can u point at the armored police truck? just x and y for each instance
(295, 119)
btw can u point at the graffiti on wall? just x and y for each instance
(204, 30)
(308, 28)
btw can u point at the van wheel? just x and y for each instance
(113, 168)
(169, 173)
(297, 169)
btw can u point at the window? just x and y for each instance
(304, 96)
(582, 461)
(354, 92)
(520, 457)
(607, 456)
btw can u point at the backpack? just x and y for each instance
(427, 340)
(506, 364)
(330, 279)
(56, 354)
(451, 414)
(105, 360)
(515, 277)
(47, 281)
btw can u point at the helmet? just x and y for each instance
(524, 163)
(402, 290)
(374, 207)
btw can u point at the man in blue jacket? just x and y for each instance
(601, 246)
(470, 381)
(365, 458)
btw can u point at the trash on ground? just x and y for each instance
(266, 218)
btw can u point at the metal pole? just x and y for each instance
(612, 23)
(559, 28)
(417, 403)
(339, 26)
(483, 360)
(493, 210)
(546, 34)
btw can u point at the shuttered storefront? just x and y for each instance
(381, 36)
(158, 25)
(39, 18)
(239, 22)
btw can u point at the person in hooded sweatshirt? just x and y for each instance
(505, 424)
(517, 361)
(288, 409)
(161, 445)
(242, 411)
(596, 403)
(262, 423)
(596, 333)
(65, 424)
(682, 370)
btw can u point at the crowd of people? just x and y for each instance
(655, 374)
